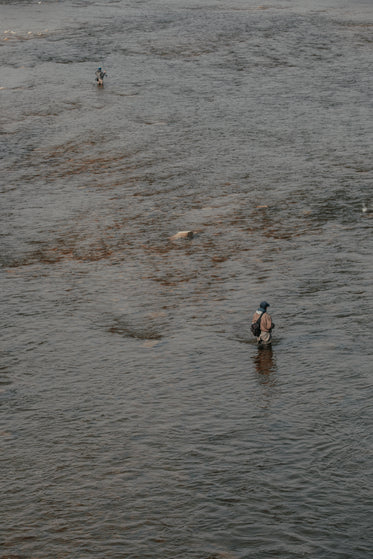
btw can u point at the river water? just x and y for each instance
(139, 419)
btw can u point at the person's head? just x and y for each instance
(99, 68)
(263, 305)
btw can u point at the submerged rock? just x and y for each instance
(183, 235)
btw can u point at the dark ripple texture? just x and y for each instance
(138, 418)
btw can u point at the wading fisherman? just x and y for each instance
(262, 325)
(100, 74)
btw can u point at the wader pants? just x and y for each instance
(265, 338)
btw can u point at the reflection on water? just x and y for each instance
(266, 369)
(265, 364)
(264, 361)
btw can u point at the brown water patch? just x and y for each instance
(173, 280)
(74, 159)
(94, 252)
(125, 329)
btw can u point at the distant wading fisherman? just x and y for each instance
(100, 74)
(262, 325)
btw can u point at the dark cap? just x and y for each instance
(264, 305)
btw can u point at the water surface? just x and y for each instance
(139, 420)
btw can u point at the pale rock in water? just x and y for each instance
(183, 235)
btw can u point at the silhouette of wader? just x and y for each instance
(100, 74)
(264, 338)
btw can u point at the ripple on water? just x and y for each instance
(140, 418)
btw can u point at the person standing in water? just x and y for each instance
(100, 74)
(266, 325)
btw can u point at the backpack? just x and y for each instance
(255, 327)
